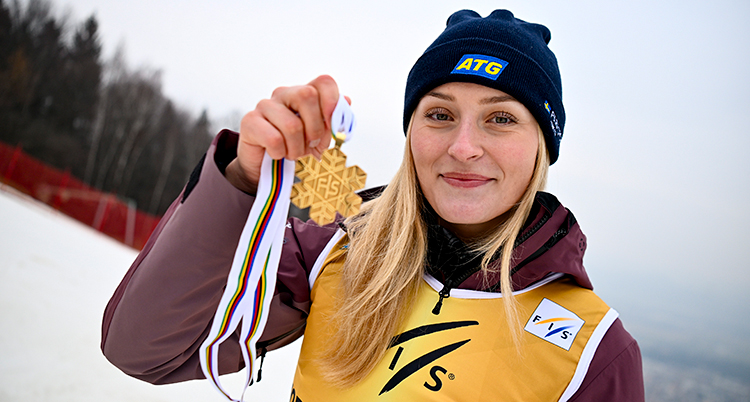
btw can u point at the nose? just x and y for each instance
(466, 143)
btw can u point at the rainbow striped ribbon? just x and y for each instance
(252, 278)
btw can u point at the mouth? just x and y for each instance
(465, 180)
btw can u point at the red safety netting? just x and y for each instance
(102, 211)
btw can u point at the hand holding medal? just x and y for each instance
(327, 186)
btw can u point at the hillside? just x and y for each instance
(56, 276)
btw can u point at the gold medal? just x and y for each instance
(327, 186)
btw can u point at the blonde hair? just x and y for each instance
(385, 264)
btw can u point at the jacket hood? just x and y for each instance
(551, 241)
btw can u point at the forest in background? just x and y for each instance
(107, 124)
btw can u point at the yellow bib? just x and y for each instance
(465, 353)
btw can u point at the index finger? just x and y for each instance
(328, 95)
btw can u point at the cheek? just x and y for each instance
(424, 151)
(525, 161)
(519, 161)
(424, 155)
(529, 164)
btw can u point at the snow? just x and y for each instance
(56, 276)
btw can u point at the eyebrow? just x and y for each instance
(485, 101)
(497, 99)
(441, 95)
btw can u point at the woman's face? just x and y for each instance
(474, 151)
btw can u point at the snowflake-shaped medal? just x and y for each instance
(328, 186)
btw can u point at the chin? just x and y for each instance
(464, 215)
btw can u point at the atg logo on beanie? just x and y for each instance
(479, 64)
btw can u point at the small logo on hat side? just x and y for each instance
(481, 65)
(554, 323)
(554, 124)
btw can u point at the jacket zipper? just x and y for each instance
(450, 283)
(533, 230)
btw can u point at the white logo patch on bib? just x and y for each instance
(554, 323)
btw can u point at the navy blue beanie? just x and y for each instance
(501, 52)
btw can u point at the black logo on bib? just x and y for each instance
(437, 373)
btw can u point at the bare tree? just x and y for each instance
(132, 103)
(49, 78)
(58, 101)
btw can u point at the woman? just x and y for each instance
(461, 281)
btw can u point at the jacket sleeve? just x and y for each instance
(162, 310)
(615, 373)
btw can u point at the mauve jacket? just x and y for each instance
(162, 310)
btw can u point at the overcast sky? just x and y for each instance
(654, 159)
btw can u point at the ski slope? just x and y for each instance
(56, 276)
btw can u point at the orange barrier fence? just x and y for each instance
(102, 211)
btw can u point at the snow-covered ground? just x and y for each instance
(56, 276)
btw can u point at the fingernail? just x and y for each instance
(314, 143)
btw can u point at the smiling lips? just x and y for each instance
(465, 180)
